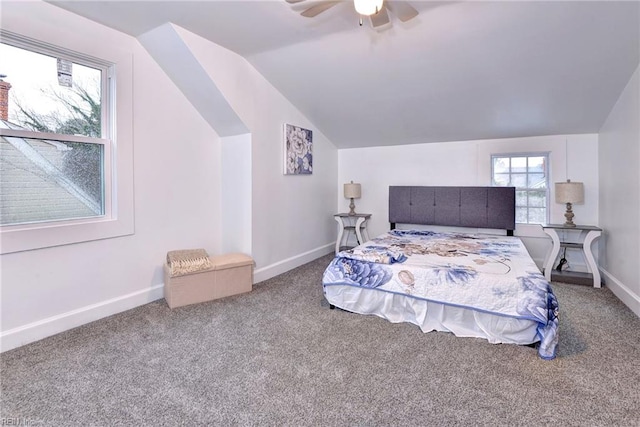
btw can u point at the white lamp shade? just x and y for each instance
(569, 192)
(352, 191)
(367, 7)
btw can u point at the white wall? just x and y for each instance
(292, 216)
(469, 163)
(178, 196)
(235, 169)
(177, 193)
(619, 162)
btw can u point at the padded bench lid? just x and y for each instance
(221, 262)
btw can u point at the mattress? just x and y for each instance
(471, 285)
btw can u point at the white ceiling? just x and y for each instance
(459, 71)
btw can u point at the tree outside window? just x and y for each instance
(53, 143)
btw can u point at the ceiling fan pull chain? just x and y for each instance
(360, 20)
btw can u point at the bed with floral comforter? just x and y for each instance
(469, 284)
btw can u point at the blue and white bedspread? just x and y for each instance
(492, 274)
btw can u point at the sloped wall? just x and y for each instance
(176, 159)
(292, 216)
(619, 163)
(178, 182)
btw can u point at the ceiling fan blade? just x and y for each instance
(293, 1)
(318, 9)
(380, 18)
(403, 10)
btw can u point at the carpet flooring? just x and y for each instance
(279, 357)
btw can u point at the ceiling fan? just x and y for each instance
(376, 10)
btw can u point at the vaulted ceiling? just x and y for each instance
(458, 71)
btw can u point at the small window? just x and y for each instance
(528, 173)
(54, 134)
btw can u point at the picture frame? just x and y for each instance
(298, 150)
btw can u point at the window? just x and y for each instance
(54, 139)
(528, 173)
(66, 171)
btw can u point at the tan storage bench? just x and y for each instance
(230, 274)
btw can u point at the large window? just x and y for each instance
(529, 174)
(55, 134)
(67, 169)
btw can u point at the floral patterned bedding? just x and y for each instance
(491, 274)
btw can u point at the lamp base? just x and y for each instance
(352, 207)
(569, 216)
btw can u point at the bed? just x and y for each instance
(467, 282)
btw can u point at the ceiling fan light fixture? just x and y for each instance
(368, 7)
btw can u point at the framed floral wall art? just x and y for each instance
(298, 150)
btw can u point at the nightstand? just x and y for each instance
(588, 234)
(356, 222)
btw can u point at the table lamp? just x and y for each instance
(352, 191)
(569, 193)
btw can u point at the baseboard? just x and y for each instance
(285, 265)
(44, 328)
(625, 295)
(35, 331)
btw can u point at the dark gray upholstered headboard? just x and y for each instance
(477, 207)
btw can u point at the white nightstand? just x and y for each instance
(356, 222)
(588, 234)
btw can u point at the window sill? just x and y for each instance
(19, 239)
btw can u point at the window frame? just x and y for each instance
(117, 218)
(528, 189)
